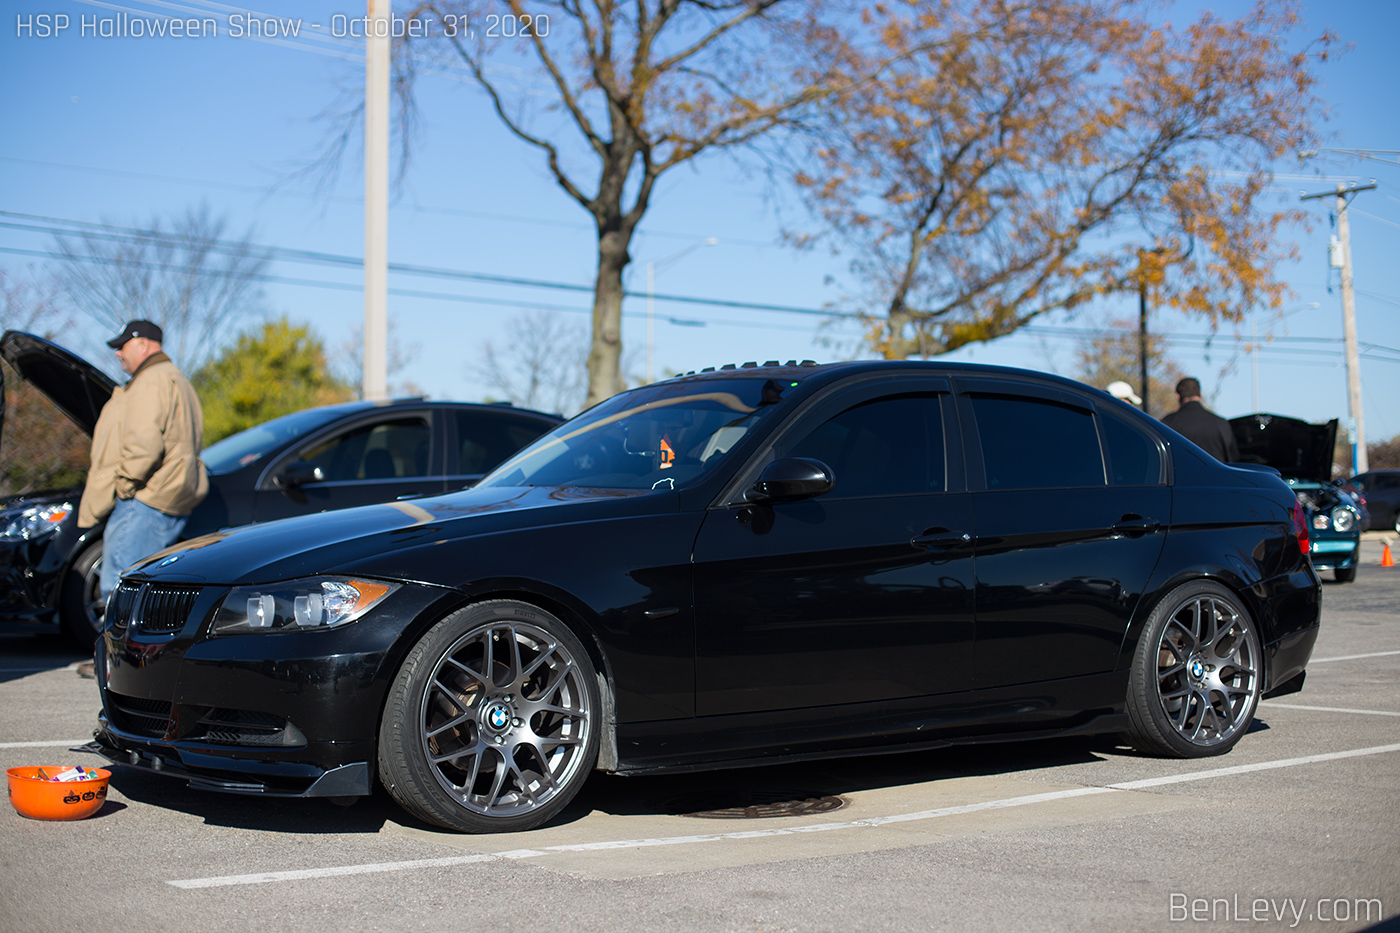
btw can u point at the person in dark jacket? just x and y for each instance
(1200, 425)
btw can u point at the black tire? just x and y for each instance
(482, 741)
(80, 606)
(1345, 574)
(1197, 674)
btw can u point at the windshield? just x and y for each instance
(657, 437)
(239, 450)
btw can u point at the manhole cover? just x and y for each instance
(755, 804)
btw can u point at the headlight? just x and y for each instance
(34, 522)
(298, 605)
(1320, 520)
(1343, 519)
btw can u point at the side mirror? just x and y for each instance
(792, 479)
(300, 473)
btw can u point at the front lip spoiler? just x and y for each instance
(348, 780)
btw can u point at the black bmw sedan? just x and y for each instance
(332, 457)
(754, 564)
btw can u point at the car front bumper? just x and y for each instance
(1334, 553)
(291, 715)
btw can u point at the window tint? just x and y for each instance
(881, 448)
(1035, 444)
(485, 439)
(386, 450)
(1133, 457)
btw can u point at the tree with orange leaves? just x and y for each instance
(1008, 161)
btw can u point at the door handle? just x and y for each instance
(1134, 526)
(942, 540)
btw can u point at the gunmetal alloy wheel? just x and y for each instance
(491, 724)
(1197, 674)
(81, 606)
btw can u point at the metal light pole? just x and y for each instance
(376, 357)
(1356, 426)
(652, 269)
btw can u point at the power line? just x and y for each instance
(60, 226)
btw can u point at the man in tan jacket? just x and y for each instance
(146, 470)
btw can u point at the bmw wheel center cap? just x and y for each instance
(497, 717)
(1198, 670)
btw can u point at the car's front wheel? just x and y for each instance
(1196, 675)
(80, 606)
(492, 722)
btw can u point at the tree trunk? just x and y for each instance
(605, 376)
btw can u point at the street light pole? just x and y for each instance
(652, 269)
(376, 356)
(1356, 426)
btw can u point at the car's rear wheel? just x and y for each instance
(81, 606)
(491, 724)
(1196, 675)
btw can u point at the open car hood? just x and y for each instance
(1296, 449)
(74, 385)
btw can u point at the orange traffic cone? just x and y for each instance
(1386, 559)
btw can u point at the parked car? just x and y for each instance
(311, 461)
(750, 565)
(1302, 453)
(1381, 491)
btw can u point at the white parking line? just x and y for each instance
(266, 877)
(1332, 709)
(1353, 657)
(72, 742)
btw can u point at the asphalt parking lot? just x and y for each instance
(1297, 828)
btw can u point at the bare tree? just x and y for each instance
(181, 274)
(541, 364)
(349, 362)
(615, 95)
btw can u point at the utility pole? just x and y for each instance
(376, 357)
(1142, 337)
(1356, 426)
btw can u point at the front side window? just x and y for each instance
(885, 447)
(384, 450)
(657, 437)
(1037, 444)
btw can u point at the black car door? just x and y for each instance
(864, 593)
(391, 454)
(1066, 536)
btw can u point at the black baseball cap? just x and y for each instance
(147, 329)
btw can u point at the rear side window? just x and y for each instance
(1037, 444)
(886, 447)
(1133, 457)
(485, 439)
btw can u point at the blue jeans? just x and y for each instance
(134, 530)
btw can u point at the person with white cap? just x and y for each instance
(1124, 391)
(146, 472)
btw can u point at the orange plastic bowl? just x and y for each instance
(38, 799)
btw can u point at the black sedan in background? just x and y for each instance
(750, 565)
(1381, 489)
(316, 460)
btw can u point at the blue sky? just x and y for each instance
(125, 129)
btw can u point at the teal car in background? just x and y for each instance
(1302, 453)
